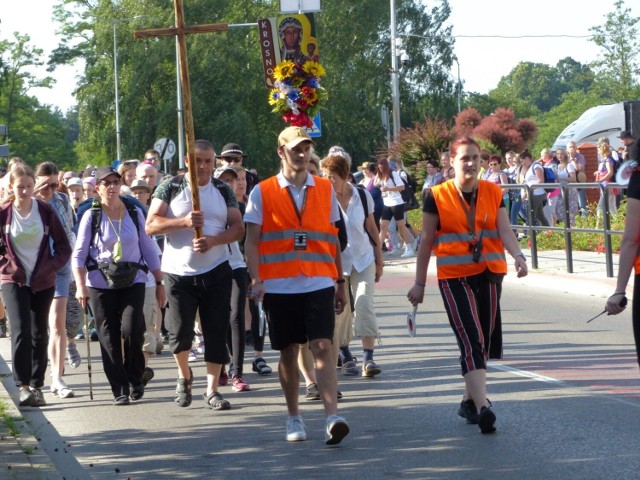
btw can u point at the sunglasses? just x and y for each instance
(51, 186)
(233, 159)
(108, 183)
(151, 159)
(131, 162)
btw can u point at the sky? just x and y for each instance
(483, 61)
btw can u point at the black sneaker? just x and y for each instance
(486, 420)
(312, 392)
(469, 411)
(137, 392)
(121, 400)
(147, 375)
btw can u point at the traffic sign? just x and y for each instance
(166, 147)
(316, 130)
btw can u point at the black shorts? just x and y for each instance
(397, 212)
(299, 317)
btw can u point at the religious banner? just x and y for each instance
(287, 37)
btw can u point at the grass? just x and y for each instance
(9, 420)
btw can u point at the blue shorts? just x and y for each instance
(63, 280)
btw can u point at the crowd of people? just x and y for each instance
(297, 255)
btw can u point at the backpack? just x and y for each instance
(363, 199)
(408, 194)
(96, 215)
(549, 176)
(178, 179)
(617, 162)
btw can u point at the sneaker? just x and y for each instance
(39, 397)
(224, 377)
(159, 346)
(73, 356)
(295, 429)
(60, 389)
(27, 397)
(239, 385)
(337, 429)
(350, 367)
(312, 392)
(79, 336)
(486, 420)
(137, 392)
(370, 369)
(147, 375)
(193, 357)
(200, 344)
(121, 400)
(183, 395)
(469, 411)
(260, 366)
(408, 252)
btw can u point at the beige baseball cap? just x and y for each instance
(292, 136)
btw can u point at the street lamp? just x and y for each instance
(458, 85)
(395, 86)
(115, 73)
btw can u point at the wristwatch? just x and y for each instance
(520, 254)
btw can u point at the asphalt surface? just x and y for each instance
(566, 396)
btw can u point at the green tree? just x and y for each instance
(619, 67)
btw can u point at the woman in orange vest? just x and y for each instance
(465, 223)
(629, 259)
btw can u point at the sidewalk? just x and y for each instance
(25, 457)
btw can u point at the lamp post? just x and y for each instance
(458, 85)
(395, 86)
(115, 73)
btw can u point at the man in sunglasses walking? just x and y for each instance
(232, 155)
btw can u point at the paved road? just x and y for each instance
(566, 396)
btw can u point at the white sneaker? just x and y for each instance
(408, 252)
(60, 389)
(337, 429)
(295, 429)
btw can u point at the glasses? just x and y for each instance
(131, 162)
(233, 159)
(151, 159)
(493, 164)
(109, 183)
(50, 186)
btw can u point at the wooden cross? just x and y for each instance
(181, 30)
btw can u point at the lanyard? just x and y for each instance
(300, 212)
(469, 210)
(117, 232)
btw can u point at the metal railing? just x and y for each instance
(567, 228)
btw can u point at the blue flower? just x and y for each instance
(293, 95)
(313, 83)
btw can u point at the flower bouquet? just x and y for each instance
(297, 93)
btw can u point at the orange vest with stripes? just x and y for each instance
(453, 241)
(278, 256)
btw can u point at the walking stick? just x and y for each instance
(87, 335)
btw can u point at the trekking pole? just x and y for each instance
(87, 335)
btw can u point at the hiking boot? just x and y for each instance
(312, 392)
(295, 429)
(147, 375)
(73, 356)
(183, 391)
(337, 429)
(60, 389)
(370, 369)
(469, 411)
(486, 420)
(260, 366)
(27, 397)
(39, 397)
(239, 385)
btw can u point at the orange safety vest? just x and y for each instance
(278, 256)
(637, 265)
(452, 242)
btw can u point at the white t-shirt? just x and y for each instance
(178, 257)
(563, 174)
(254, 214)
(26, 237)
(530, 178)
(392, 198)
(236, 259)
(359, 252)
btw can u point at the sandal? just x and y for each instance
(183, 391)
(216, 402)
(260, 366)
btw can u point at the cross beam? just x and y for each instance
(180, 31)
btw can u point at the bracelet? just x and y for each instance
(619, 293)
(421, 284)
(520, 254)
(340, 280)
(160, 283)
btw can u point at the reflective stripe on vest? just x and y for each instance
(453, 241)
(278, 256)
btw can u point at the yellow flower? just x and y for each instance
(274, 96)
(283, 70)
(314, 69)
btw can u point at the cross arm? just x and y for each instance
(173, 31)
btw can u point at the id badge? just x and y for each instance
(300, 240)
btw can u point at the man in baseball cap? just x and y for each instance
(290, 137)
(631, 145)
